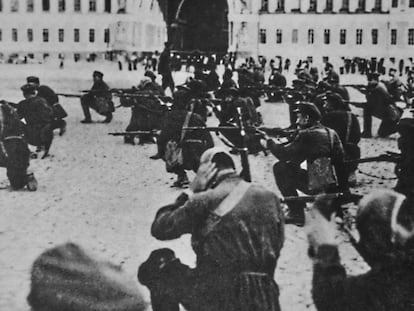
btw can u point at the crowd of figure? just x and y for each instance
(236, 227)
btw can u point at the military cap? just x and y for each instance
(309, 109)
(372, 76)
(98, 74)
(328, 65)
(334, 79)
(29, 88)
(33, 79)
(150, 75)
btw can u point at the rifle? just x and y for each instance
(134, 133)
(360, 87)
(70, 95)
(163, 98)
(345, 197)
(389, 156)
(243, 150)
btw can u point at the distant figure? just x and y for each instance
(164, 68)
(98, 98)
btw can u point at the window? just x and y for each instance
(45, 35)
(394, 3)
(262, 35)
(361, 5)
(76, 36)
(377, 6)
(345, 6)
(311, 36)
(61, 35)
(359, 36)
(1, 35)
(62, 6)
(411, 36)
(30, 6)
(326, 36)
(46, 5)
(14, 34)
(411, 4)
(108, 6)
(374, 36)
(92, 5)
(106, 35)
(77, 6)
(329, 6)
(91, 35)
(265, 6)
(30, 35)
(393, 36)
(278, 35)
(14, 6)
(294, 36)
(312, 5)
(1, 5)
(280, 5)
(121, 7)
(342, 36)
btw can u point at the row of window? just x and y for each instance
(61, 35)
(14, 5)
(329, 4)
(342, 36)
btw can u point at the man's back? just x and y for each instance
(48, 94)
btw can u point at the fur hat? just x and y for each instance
(29, 88)
(98, 74)
(385, 221)
(33, 79)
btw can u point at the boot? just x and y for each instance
(296, 214)
(31, 182)
(181, 181)
(108, 118)
(62, 129)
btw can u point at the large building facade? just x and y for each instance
(322, 28)
(80, 27)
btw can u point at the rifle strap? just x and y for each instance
(348, 126)
(185, 124)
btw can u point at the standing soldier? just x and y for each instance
(237, 233)
(98, 98)
(331, 74)
(53, 101)
(164, 68)
(38, 117)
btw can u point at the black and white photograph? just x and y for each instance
(206, 155)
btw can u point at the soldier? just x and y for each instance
(38, 117)
(338, 116)
(192, 144)
(164, 68)
(53, 101)
(331, 74)
(380, 105)
(228, 81)
(98, 98)
(14, 152)
(237, 234)
(311, 143)
(276, 79)
(405, 167)
(394, 85)
(154, 85)
(385, 225)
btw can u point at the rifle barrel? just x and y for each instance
(133, 133)
(69, 95)
(215, 128)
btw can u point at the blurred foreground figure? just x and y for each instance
(237, 233)
(385, 222)
(14, 152)
(99, 98)
(66, 278)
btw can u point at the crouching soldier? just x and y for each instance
(322, 150)
(237, 234)
(99, 98)
(14, 152)
(385, 225)
(38, 117)
(52, 100)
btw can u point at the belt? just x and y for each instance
(12, 137)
